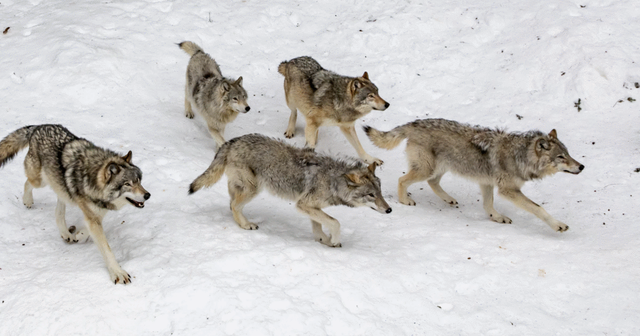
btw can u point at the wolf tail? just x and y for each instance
(190, 47)
(215, 170)
(386, 140)
(13, 143)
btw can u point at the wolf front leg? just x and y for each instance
(93, 217)
(66, 234)
(319, 216)
(350, 133)
(518, 198)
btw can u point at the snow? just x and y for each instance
(111, 72)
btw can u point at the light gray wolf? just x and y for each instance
(314, 181)
(82, 174)
(216, 98)
(491, 157)
(328, 99)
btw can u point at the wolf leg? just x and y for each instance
(487, 203)
(291, 128)
(66, 235)
(318, 234)
(434, 183)
(216, 133)
(94, 225)
(241, 193)
(321, 217)
(350, 133)
(188, 112)
(27, 198)
(311, 134)
(518, 198)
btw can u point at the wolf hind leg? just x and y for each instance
(67, 234)
(33, 170)
(242, 191)
(27, 198)
(487, 203)
(188, 111)
(318, 234)
(434, 183)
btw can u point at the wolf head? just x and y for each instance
(122, 183)
(554, 157)
(364, 187)
(365, 93)
(234, 94)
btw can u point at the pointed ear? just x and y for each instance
(353, 179)
(356, 84)
(553, 134)
(542, 144)
(111, 169)
(365, 75)
(225, 86)
(372, 168)
(239, 81)
(127, 158)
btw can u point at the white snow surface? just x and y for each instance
(110, 71)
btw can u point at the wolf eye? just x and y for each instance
(235, 99)
(371, 95)
(128, 184)
(372, 195)
(561, 157)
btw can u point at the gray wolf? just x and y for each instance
(490, 157)
(328, 99)
(82, 174)
(314, 181)
(216, 98)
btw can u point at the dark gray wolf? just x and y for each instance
(493, 158)
(312, 180)
(216, 98)
(328, 99)
(80, 173)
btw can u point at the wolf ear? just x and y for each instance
(238, 81)
(353, 179)
(225, 86)
(111, 169)
(542, 144)
(356, 84)
(365, 75)
(553, 134)
(127, 158)
(372, 168)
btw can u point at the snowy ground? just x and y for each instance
(110, 71)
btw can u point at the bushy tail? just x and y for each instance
(189, 47)
(13, 143)
(282, 68)
(386, 140)
(214, 172)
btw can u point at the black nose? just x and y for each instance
(247, 108)
(388, 210)
(146, 196)
(385, 106)
(581, 167)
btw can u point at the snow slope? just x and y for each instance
(110, 71)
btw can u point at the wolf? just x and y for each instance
(314, 181)
(328, 99)
(490, 157)
(217, 99)
(82, 174)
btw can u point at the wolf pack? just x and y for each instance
(97, 180)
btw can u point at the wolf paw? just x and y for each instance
(452, 203)
(408, 201)
(371, 159)
(327, 241)
(189, 114)
(289, 134)
(250, 226)
(69, 236)
(500, 218)
(119, 276)
(82, 235)
(28, 202)
(560, 227)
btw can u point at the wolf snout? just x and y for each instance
(388, 210)
(246, 109)
(386, 105)
(147, 196)
(581, 167)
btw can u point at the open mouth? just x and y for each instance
(135, 203)
(570, 172)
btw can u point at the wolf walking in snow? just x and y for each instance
(80, 173)
(328, 99)
(312, 180)
(493, 158)
(217, 99)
